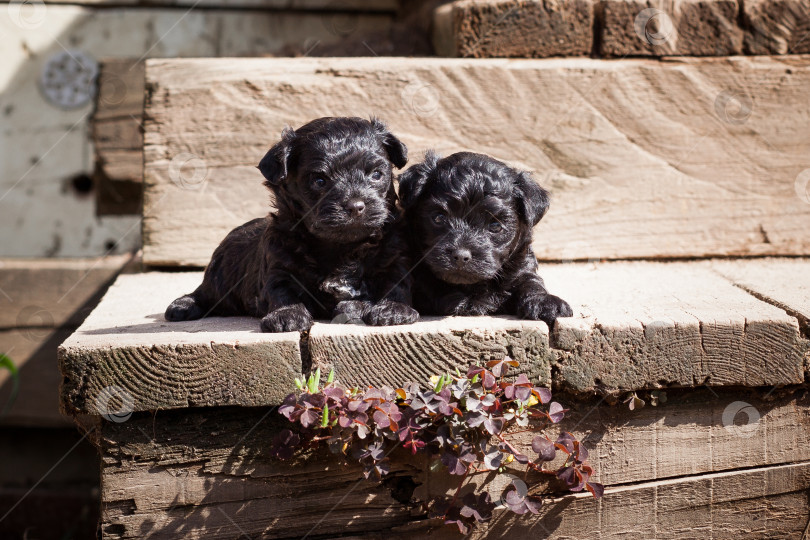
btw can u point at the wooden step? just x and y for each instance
(672, 471)
(636, 326)
(620, 28)
(644, 158)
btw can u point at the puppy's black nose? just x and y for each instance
(356, 207)
(461, 256)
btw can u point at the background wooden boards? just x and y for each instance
(643, 158)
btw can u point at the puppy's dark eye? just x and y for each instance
(495, 227)
(376, 175)
(438, 219)
(318, 182)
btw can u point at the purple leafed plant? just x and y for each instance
(465, 423)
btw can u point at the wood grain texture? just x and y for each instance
(643, 158)
(776, 26)
(652, 325)
(636, 326)
(519, 29)
(209, 475)
(781, 282)
(126, 342)
(393, 355)
(48, 293)
(671, 27)
(767, 502)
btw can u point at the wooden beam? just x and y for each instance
(644, 158)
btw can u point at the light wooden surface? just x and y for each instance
(646, 324)
(127, 343)
(636, 326)
(643, 158)
(782, 282)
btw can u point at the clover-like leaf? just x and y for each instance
(556, 412)
(544, 448)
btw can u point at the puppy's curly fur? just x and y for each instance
(333, 246)
(470, 220)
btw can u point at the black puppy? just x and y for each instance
(470, 218)
(334, 245)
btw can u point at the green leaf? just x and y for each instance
(331, 378)
(7, 363)
(299, 383)
(316, 382)
(325, 417)
(476, 378)
(458, 373)
(439, 384)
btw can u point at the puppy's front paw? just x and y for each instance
(293, 318)
(545, 308)
(185, 308)
(387, 313)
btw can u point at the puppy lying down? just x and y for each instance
(470, 220)
(334, 245)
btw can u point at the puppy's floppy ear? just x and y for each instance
(532, 200)
(413, 181)
(396, 149)
(273, 165)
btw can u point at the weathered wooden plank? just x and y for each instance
(776, 26)
(650, 325)
(758, 503)
(636, 326)
(676, 27)
(508, 28)
(291, 5)
(48, 293)
(644, 158)
(693, 432)
(127, 343)
(228, 481)
(223, 480)
(781, 282)
(393, 355)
